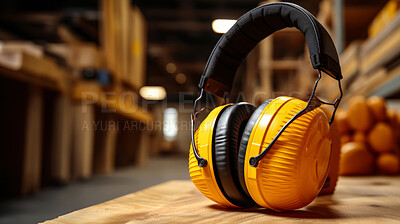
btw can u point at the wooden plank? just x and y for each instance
(378, 51)
(106, 128)
(67, 36)
(108, 35)
(325, 14)
(123, 36)
(14, 95)
(357, 200)
(21, 46)
(133, 143)
(43, 68)
(283, 64)
(49, 98)
(365, 84)
(128, 142)
(143, 152)
(350, 60)
(62, 138)
(78, 55)
(124, 39)
(83, 140)
(28, 78)
(121, 102)
(388, 85)
(251, 82)
(138, 114)
(264, 66)
(138, 48)
(381, 82)
(33, 142)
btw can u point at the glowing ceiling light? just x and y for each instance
(171, 68)
(153, 92)
(222, 25)
(180, 78)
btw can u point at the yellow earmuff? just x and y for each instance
(294, 170)
(289, 176)
(278, 154)
(204, 177)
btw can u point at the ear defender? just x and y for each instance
(277, 155)
(294, 170)
(217, 139)
(288, 177)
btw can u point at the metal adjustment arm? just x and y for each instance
(313, 103)
(336, 103)
(200, 161)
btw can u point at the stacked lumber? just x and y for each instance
(124, 41)
(371, 67)
(28, 58)
(58, 110)
(384, 17)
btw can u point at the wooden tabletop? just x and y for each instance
(356, 200)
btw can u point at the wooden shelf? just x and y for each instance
(111, 100)
(30, 68)
(124, 41)
(381, 82)
(381, 49)
(389, 85)
(68, 136)
(281, 64)
(371, 67)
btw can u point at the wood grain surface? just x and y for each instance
(357, 200)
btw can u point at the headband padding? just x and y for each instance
(253, 27)
(228, 132)
(245, 140)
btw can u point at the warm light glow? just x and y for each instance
(171, 68)
(180, 78)
(170, 124)
(153, 92)
(222, 25)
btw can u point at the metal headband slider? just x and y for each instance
(312, 104)
(200, 161)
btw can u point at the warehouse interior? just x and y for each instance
(98, 94)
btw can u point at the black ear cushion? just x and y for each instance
(228, 132)
(244, 141)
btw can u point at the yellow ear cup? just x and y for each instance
(333, 172)
(294, 170)
(203, 177)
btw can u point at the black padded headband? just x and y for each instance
(253, 27)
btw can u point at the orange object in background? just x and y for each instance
(393, 121)
(381, 138)
(377, 143)
(359, 136)
(377, 106)
(359, 117)
(356, 159)
(345, 138)
(388, 163)
(391, 116)
(341, 121)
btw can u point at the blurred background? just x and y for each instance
(97, 94)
